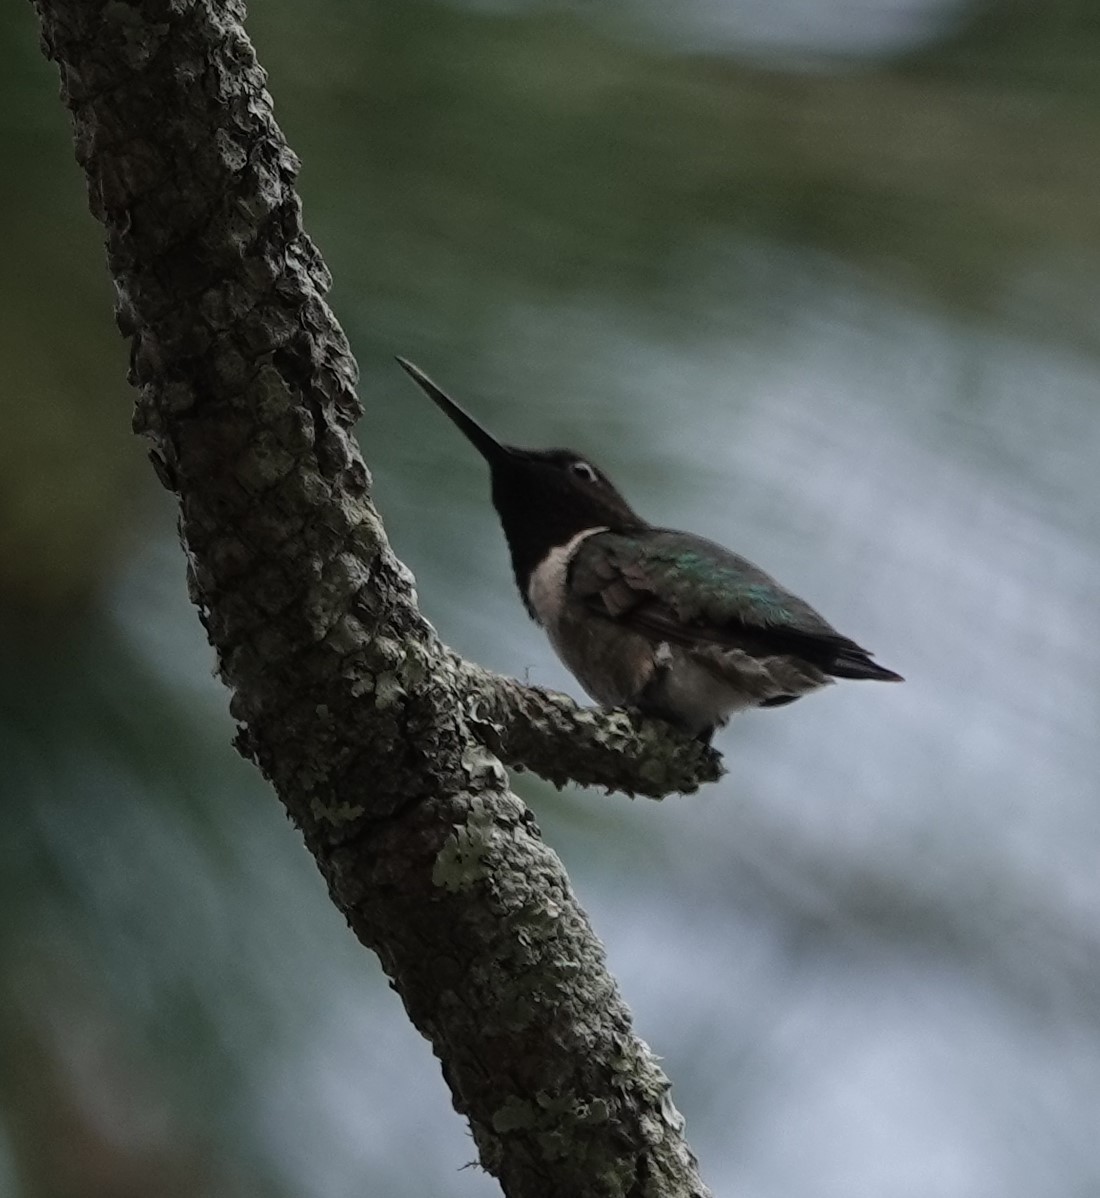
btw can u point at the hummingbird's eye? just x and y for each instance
(583, 470)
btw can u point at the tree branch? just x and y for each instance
(547, 733)
(371, 732)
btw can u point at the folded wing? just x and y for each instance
(689, 591)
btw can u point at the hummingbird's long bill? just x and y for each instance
(486, 444)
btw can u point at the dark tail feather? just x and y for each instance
(857, 663)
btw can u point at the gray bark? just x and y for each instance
(379, 741)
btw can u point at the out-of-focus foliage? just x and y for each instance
(836, 313)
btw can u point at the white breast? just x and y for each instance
(546, 586)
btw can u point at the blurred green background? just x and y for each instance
(817, 280)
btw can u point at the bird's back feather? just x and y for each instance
(689, 591)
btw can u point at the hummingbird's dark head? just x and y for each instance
(562, 480)
(544, 497)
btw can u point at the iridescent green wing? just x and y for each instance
(683, 588)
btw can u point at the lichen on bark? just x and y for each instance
(379, 741)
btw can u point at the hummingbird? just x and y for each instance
(664, 622)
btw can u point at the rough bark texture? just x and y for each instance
(376, 737)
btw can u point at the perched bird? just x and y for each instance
(665, 622)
